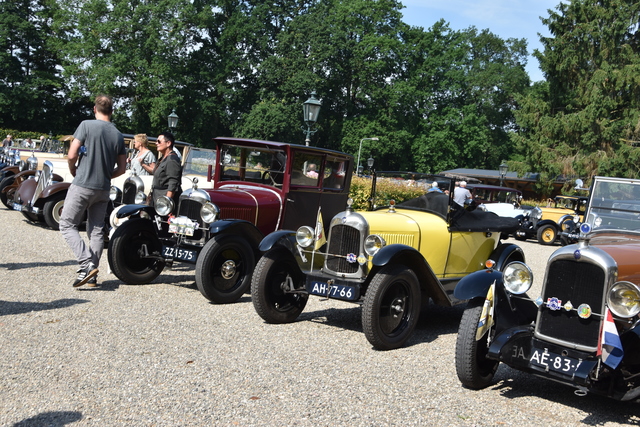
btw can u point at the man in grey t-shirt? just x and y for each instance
(97, 154)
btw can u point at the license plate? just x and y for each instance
(17, 207)
(334, 291)
(178, 253)
(554, 362)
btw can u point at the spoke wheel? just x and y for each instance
(53, 210)
(474, 370)
(391, 307)
(126, 247)
(547, 235)
(223, 269)
(275, 269)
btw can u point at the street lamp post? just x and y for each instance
(310, 110)
(503, 171)
(372, 172)
(173, 121)
(360, 148)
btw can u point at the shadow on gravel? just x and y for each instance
(17, 307)
(600, 410)
(50, 419)
(21, 265)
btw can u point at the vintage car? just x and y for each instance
(390, 259)
(27, 197)
(544, 223)
(259, 187)
(13, 174)
(583, 329)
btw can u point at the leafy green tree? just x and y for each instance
(584, 120)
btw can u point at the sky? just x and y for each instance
(505, 18)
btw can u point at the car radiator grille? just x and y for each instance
(578, 283)
(129, 194)
(191, 209)
(344, 240)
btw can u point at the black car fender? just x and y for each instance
(547, 222)
(506, 253)
(413, 259)
(286, 238)
(134, 210)
(237, 227)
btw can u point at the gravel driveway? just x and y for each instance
(162, 355)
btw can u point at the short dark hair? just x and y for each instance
(169, 137)
(104, 104)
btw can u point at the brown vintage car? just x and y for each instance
(583, 330)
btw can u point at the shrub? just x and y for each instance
(386, 189)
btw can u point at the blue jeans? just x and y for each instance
(95, 203)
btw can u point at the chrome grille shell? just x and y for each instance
(583, 279)
(347, 232)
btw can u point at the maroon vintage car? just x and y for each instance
(260, 186)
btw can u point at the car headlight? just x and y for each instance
(304, 236)
(517, 277)
(140, 198)
(209, 212)
(163, 205)
(576, 218)
(623, 299)
(115, 193)
(373, 243)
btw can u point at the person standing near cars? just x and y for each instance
(144, 161)
(461, 194)
(7, 142)
(96, 155)
(168, 172)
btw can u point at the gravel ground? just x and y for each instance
(162, 355)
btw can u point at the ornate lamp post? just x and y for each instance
(503, 171)
(360, 148)
(173, 121)
(372, 172)
(310, 110)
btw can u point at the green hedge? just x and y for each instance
(386, 189)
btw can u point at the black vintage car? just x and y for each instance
(583, 329)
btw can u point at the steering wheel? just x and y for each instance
(267, 178)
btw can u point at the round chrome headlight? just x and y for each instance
(115, 193)
(373, 243)
(623, 299)
(140, 198)
(209, 212)
(305, 235)
(536, 213)
(163, 205)
(517, 277)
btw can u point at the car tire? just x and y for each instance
(474, 370)
(53, 210)
(30, 216)
(125, 250)
(6, 196)
(223, 269)
(391, 307)
(547, 235)
(269, 300)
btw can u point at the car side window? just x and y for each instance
(306, 170)
(334, 174)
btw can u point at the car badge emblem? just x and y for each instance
(344, 219)
(538, 301)
(554, 304)
(568, 306)
(362, 260)
(584, 311)
(577, 254)
(351, 258)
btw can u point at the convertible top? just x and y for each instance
(477, 220)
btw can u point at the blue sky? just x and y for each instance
(504, 18)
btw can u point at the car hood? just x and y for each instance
(260, 206)
(624, 249)
(402, 226)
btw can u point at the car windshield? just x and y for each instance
(614, 204)
(198, 161)
(258, 165)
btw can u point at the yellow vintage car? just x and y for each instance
(390, 259)
(545, 223)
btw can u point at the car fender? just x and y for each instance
(55, 188)
(286, 238)
(239, 228)
(130, 210)
(413, 259)
(547, 222)
(477, 284)
(506, 253)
